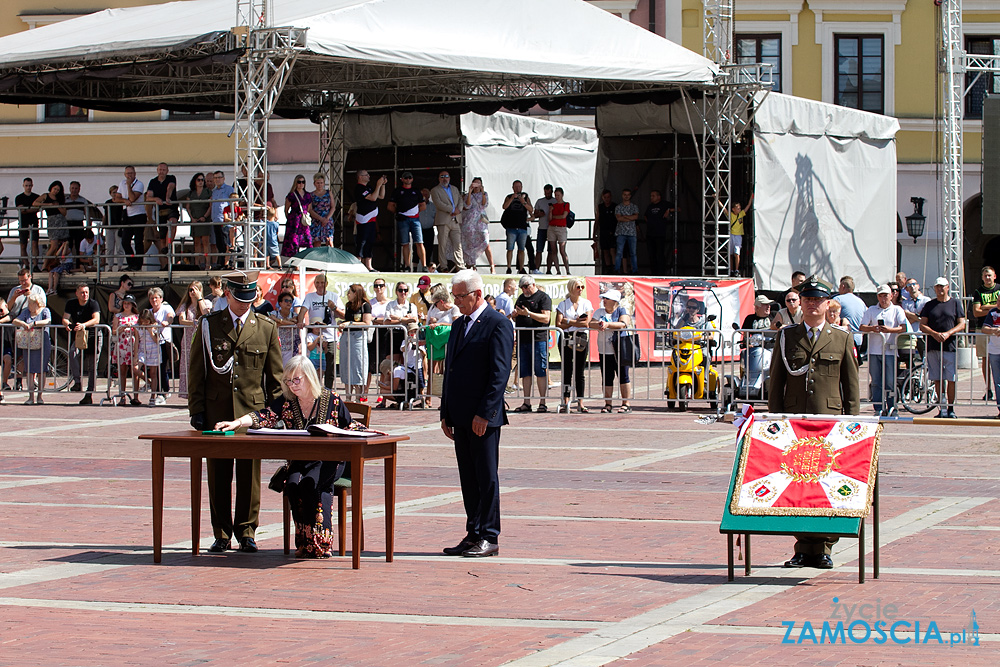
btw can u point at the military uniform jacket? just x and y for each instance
(255, 378)
(829, 386)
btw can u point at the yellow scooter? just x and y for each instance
(689, 366)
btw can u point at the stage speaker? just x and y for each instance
(990, 186)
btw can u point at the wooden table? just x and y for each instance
(196, 446)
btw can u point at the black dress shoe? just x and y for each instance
(77, 387)
(248, 545)
(220, 545)
(799, 560)
(823, 562)
(460, 548)
(87, 400)
(481, 549)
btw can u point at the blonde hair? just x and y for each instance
(302, 364)
(36, 299)
(575, 280)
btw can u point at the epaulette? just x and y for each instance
(840, 327)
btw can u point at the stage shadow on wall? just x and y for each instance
(807, 250)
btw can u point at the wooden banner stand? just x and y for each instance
(747, 525)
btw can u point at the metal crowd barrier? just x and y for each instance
(906, 372)
(60, 365)
(674, 369)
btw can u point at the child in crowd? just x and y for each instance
(88, 247)
(148, 351)
(414, 355)
(65, 265)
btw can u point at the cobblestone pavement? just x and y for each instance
(610, 555)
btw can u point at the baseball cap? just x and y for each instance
(425, 281)
(612, 294)
(406, 174)
(762, 300)
(941, 281)
(884, 289)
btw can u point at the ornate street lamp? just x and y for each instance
(916, 221)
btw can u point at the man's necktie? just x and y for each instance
(461, 324)
(239, 328)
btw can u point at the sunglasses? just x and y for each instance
(293, 382)
(379, 285)
(300, 182)
(402, 290)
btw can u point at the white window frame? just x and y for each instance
(789, 38)
(825, 33)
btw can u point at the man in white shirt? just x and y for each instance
(324, 307)
(541, 214)
(17, 300)
(505, 299)
(132, 192)
(883, 323)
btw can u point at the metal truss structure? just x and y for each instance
(269, 54)
(725, 116)
(951, 195)
(956, 63)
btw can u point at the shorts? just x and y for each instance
(736, 243)
(940, 364)
(557, 234)
(151, 233)
(409, 228)
(533, 356)
(981, 341)
(28, 234)
(609, 367)
(271, 238)
(517, 236)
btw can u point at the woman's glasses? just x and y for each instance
(402, 290)
(302, 182)
(293, 382)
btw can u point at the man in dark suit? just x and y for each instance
(476, 369)
(814, 371)
(235, 369)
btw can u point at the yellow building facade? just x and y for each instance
(878, 55)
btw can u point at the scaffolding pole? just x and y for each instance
(261, 73)
(951, 195)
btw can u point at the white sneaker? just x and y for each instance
(159, 400)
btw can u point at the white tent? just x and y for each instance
(825, 193)
(554, 38)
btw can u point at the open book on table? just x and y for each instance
(314, 429)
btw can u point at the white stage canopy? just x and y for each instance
(547, 47)
(825, 199)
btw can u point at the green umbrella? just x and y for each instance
(325, 258)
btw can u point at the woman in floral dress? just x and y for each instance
(309, 488)
(123, 329)
(321, 213)
(475, 226)
(297, 234)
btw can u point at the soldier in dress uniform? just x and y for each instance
(814, 370)
(235, 368)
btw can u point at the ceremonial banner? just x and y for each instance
(806, 467)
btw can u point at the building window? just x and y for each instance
(761, 49)
(980, 84)
(859, 75)
(61, 113)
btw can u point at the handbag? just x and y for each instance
(279, 478)
(577, 340)
(28, 339)
(570, 219)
